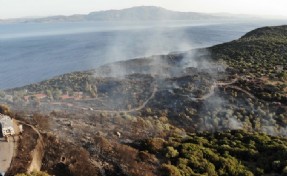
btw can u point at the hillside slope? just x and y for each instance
(215, 111)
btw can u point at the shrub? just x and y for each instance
(171, 152)
(170, 170)
(4, 109)
(34, 174)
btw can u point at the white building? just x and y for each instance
(6, 125)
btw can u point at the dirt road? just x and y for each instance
(8, 149)
(37, 153)
(142, 106)
(6, 154)
(212, 88)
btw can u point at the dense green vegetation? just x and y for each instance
(261, 53)
(258, 53)
(221, 153)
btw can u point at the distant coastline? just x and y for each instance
(140, 13)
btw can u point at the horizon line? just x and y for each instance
(119, 9)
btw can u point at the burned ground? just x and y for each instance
(139, 117)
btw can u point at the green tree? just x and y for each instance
(171, 152)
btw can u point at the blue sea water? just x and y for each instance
(32, 52)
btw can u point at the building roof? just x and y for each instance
(6, 121)
(40, 96)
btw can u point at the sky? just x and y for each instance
(41, 8)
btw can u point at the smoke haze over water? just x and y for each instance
(34, 52)
(26, 60)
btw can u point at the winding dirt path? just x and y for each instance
(147, 101)
(155, 89)
(212, 88)
(228, 85)
(242, 90)
(137, 108)
(38, 152)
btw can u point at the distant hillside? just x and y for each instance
(145, 13)
(279, 32)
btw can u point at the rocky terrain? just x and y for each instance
(215, 111)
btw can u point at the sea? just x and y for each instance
(33, 52)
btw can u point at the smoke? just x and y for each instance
(197, 59)
(235, 124)
(181, 61)
(6, 98)
(153, 45)
(156, 39)
(174, 59)
(269, 126)
(217, 115)
(283, 131)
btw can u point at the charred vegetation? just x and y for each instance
(215, 111)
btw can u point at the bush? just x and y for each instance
(34, 174)
(170, 170)
(171, 152)
(4, 109)
(155, 144)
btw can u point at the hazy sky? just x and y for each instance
(35, 8)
